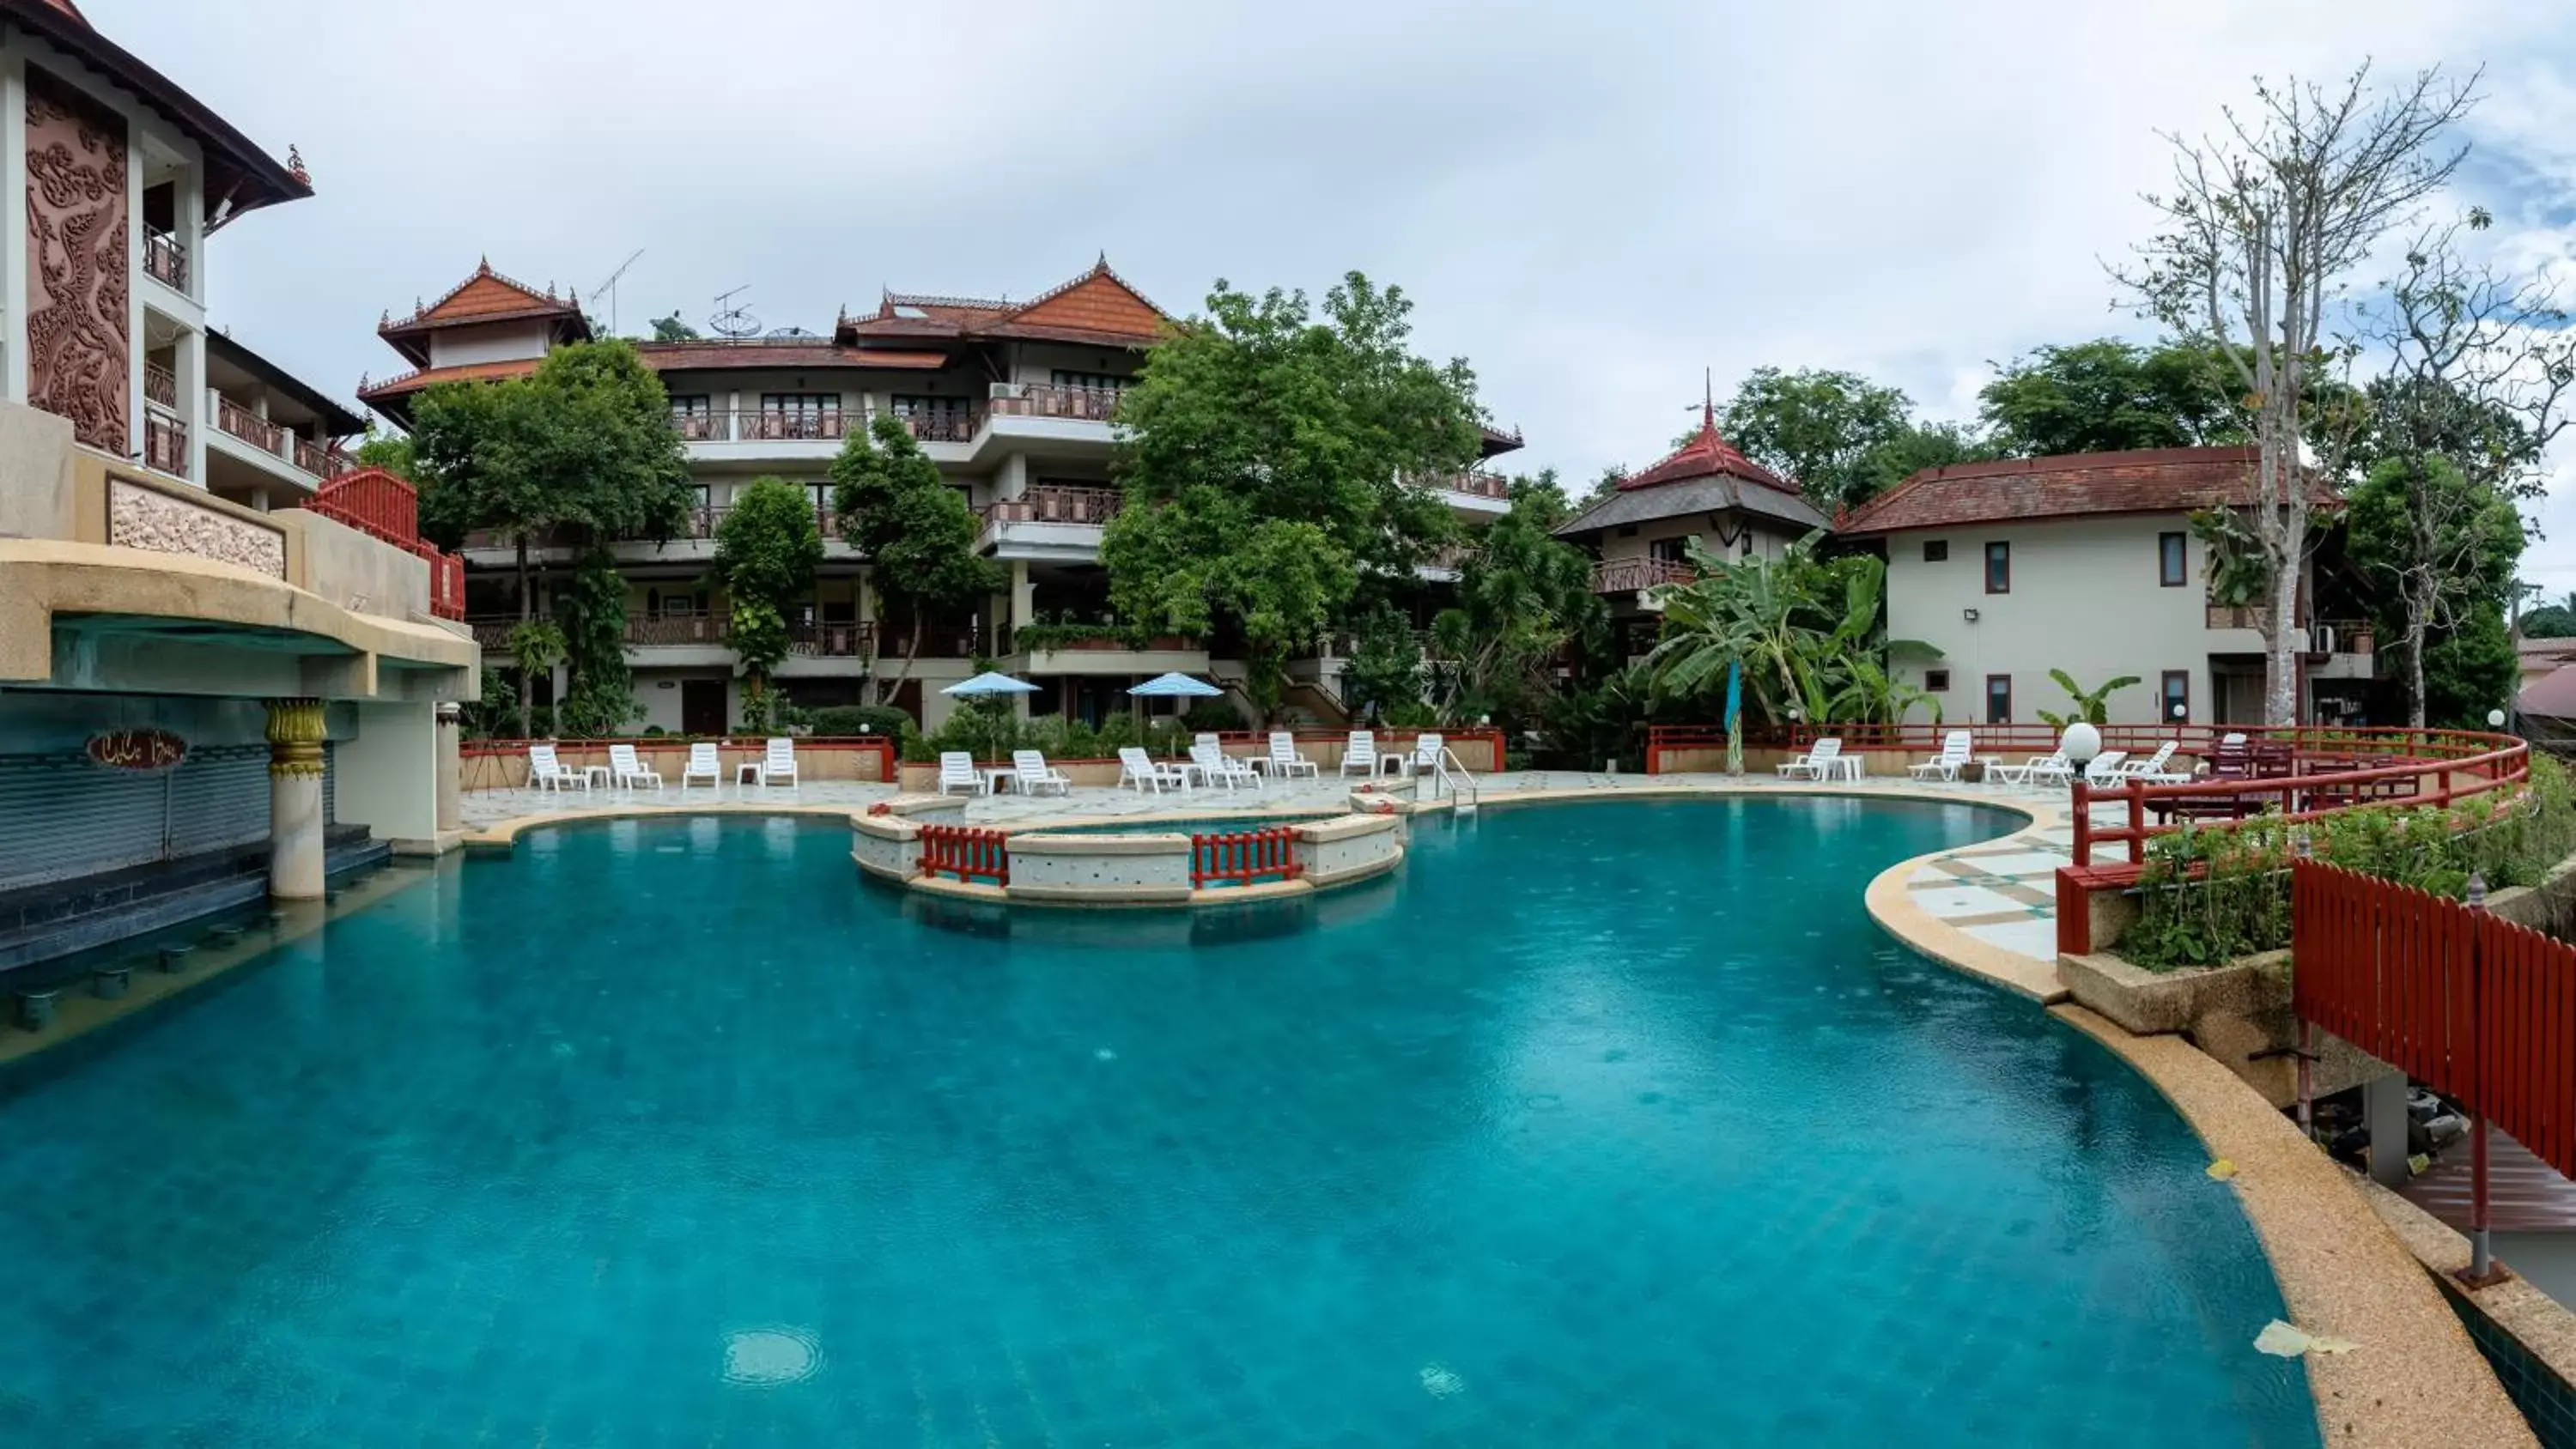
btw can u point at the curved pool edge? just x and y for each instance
(2416, 1378)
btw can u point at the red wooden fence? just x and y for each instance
(966, 853)
(1245, 857)
(381, 504)
(2470, 1004)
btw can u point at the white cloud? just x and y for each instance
(1590, 203)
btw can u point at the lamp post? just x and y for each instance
(2080, 743)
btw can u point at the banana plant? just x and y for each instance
(2091, 706)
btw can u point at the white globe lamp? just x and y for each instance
(2495, 719)
(2081, 743)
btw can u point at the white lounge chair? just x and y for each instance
(957, 767)
(1284, 760)
(1147, 773)
(545, 772)
(704, 764)
(1424, 758)
(2152, 768)
(1031, 772)
(2050, 769)
(780, 764)
(1360, 754)
(2105, 770)
(627, 771)
(1945, 765)
(1217, 767)
(1822, 761)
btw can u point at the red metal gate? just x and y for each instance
(1245, 857)
(966, 853)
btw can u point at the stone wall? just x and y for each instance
(147, 518)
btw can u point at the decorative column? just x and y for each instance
(451, 812)
(295, 799)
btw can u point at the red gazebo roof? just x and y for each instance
(1705, 455)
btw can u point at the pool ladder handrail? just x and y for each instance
(1447, 769)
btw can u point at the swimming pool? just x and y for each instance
(1613, 1124)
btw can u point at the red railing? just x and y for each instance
(2318, 772)
(1244, 857)
(249, 426)
(2470, 1004)
(446, 583)
(160, 385)
(321, 461)
(374, 501)
(966, 853)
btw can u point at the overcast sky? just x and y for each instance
(1592, 203)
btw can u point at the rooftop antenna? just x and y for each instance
(733, 322)
(610, 287)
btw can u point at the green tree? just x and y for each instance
(583, 449)
(2551, 621)
(1817, 428)
(590, 612)
(1524, 596)
(916, 531)
(672, 329)
(2441, 551)
(767, 551)
(2107, 395)
(389, 451)
(1268, 461)
(1386, 666)
(1797, 625)
(2470, 669)
(1891, 461)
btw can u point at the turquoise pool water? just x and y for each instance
(1606, 1125)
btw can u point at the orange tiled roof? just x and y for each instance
(688, 356)
(1705, 455)
(1095, 307)
(486, 296)
(412, 382)
(2147, 480)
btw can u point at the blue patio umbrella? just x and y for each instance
(990, 682)
(1176, 686)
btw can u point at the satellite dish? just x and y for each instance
(792, 334)
(733, 322)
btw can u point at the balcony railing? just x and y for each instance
(1047, 400)
(249, 426)
(833, 641)
(754, 426)
(322, 462)
(761, 425)
(1482, 485)
(947, 427)
(165, 258)
(691, 629)
(160, 385)
(492, 633)
(1629, 575)
(165, 445)
(1053, 503)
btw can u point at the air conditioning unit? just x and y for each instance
(1002, 391)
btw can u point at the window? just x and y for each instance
(802, 403)
(1669, 550)
(1936, 681)
(1097, 381)
(1999, 568)
(696, 406)
(2172, 560)
(2177, 693)
(1999, 699)
(1936, 550)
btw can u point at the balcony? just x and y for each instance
(1046, 400)
(160, 386)
(832, 641)
(677, 631)
(165, 260)
(165, 444)
(250, 427)
(762, 425)
(1637, 574)
(1482, 494)
(1051, 522)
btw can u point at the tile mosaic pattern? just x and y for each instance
(665, 1133)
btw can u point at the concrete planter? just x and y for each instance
(2237, 1014)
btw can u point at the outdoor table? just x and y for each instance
(1851, 767)
(593, 776)
(994, 777)
(753, 771)
(1986, 766)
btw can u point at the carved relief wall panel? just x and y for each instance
(78, 350)
(138, 517)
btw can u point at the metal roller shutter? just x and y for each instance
(219, 797)
(61, 816)
(330, 784)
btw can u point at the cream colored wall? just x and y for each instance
(2085, 598)
(1038, 361)
(1768, 539)
(490, 342)
(386, 775)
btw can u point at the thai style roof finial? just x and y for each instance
(295, 164)
(483, 268)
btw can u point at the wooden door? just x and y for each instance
(702, 706)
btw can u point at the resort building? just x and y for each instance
(1012, 400)
(221, 667)
(2089, 564)
(1705, 492)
